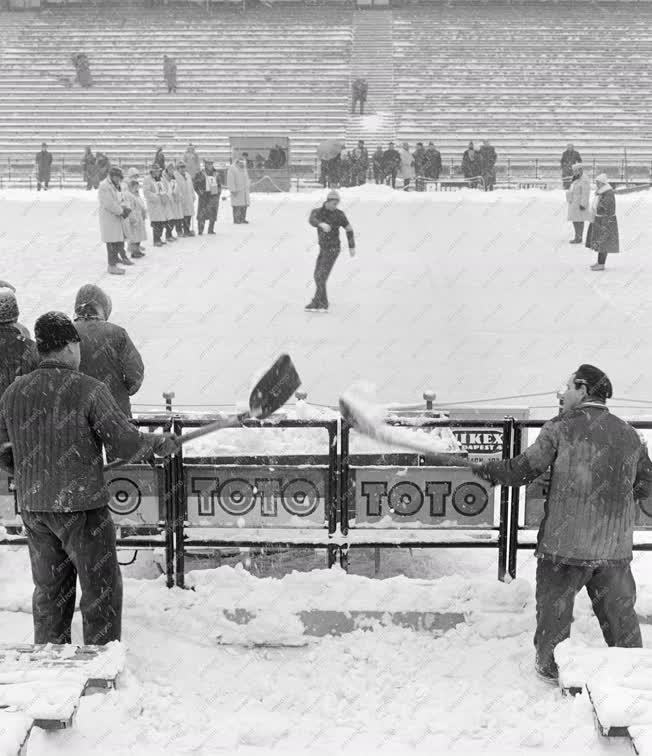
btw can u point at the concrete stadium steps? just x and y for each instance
(276, 72)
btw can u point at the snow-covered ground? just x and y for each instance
(472, 295)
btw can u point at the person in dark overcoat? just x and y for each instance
(89, 169)
(102, 165)
(208, 187)
(359, 164)
(159, 158)
(359, 94)
(377, 165)
(391, 164)
(472, 165)
(599, 468)
(419, 156)
(569, 157)
(55, 424)
(43, 162)
(83, 70)
(602, 236)
(18, 355)
(107, 352)
(433, 162)
(488, 158)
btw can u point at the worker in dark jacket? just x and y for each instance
(433, 162)
(328, 220)
(569, 157)
(208, 187)
(53, 425)
(600, 467)
(18, 355)
(43, 162)
(107, 352)
(488, 158)
(391, 164)
(377, 163)
(472, 165)
(89, 169)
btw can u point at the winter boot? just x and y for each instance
(159, 244)
(124, 260)
(597, 266)
(137, 253)
(115, 271)
(211, 228)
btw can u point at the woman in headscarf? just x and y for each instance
(578, 196)
(602, 235)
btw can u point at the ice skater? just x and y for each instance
(328, 219)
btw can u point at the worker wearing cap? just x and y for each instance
(328, 220)
(599, 469)
(208, 187)
(113, 210)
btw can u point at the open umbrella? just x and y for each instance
(330, 148)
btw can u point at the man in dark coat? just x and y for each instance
(18, 355)
(602, 236)
(107, 352)
(170, 73)
(472, 165)
(488, 158)
(53, 425)
(569, 157)
(208, 187)
(377, 165)
(360, 89)
(328, 220)
(103, 165)
(599, 468)
(359, 164)
(43, 167)
(433, 162)
(420, 160)
(89, 169)
(391, 164)
(159, 158)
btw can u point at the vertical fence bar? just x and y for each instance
(508, 425)
(334, 487)
(168, 506)
(179, 509)
(344, 490)
(515, 508)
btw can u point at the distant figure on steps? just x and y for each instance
(43, 162)
(569, 158)
(170, 73)
(159, 157)
(360, 88)
(83, 69)
(89, 169)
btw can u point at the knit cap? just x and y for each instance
(596, 381)
(53, 331)
(8, 306)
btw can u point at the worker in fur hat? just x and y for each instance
(18, 355)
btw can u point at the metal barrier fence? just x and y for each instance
(335, 499)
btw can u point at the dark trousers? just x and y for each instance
(612, 591)
(115, 251)
(325, 261)
(391, 178)
(45, 183)
(186, 224)
(239, 214)
(157, 230)
(169, 228)
(355, 101)
(579, 230)
(602, 258)
(378, 175)
(61, 548)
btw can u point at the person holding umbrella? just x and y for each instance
(329, 153)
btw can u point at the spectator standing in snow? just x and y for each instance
(208, 187)
(238, 184)
(174, 204)
(89, 169)
(578, 196)
(328, 220)
(407, 165)
(43, 162)
(377, 164)
(602, 236)
(170, 73)
(419, 165)
(113, 210)
(391, 164)
(187, 196)
(154, 192)
(191, 159)
(599, 469)
(433, 162)
(106, 351)
(18, 354)
(53, 425)
(569, 157)
(135, 229)
(159, 158)
(472, 165)
(360, 164)
(488, 159)
(360, 89)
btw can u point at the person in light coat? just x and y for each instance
(172, 203)
(135, 230)
(578, 196)
(406, 169)
(238, 184)
(187, 194)
(154, 193)
(191, 159)
(602, 236)
(112, 211)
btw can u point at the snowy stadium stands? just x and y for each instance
(529, 76)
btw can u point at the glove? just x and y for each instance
(582, 207)
(125, 212)
(481, 472)
(166, 445)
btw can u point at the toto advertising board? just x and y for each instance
(444, 497)
(256, 496)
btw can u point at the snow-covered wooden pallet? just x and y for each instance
(41, 686)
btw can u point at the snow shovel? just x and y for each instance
(368, 420)
(270, 393)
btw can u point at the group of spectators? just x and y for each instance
(84, 77)
(168, 201)
(354, 167)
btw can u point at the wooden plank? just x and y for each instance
(617, 707)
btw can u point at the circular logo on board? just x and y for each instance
(470, 499)
(125, 496)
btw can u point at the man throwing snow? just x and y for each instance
(599, 468)
(328, 220)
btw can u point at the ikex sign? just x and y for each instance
(256, 497)
(433, 496)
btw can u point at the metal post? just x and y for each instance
(168, 396)
(168, 507)
(333, 492)
(344, 490)
(508, 425)
(593, 169)
(515, 508)
(301, 396)
(536, 168)
(180, 510)
(430, 397)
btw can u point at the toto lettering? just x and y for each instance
(406, 498)
(238, 496)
